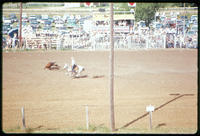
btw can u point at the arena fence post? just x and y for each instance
(87, 117)
(150, 120)
(150, 109)
(20, 27)
(23, 118)
(164, 41)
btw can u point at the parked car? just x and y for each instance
(59, 25)
(141, 23)
(51, 19)
(25, 19)
(45, 16)
(171, 23)
(34, 24)
(6, 28)
(7, 20)
(42, 21)
(13, 17)
(59, 21)
(24, 15)
(157, 25)
(32, 18)
(47, 22)
(63, 30)
(47, 28)
(190, 32)
(184, 18)
(194, 28)
(23, 23)
(162, 18)
(38, 18)
(193, 18)
(102, 10)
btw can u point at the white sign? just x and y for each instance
(72, 5)
(150, 108)
(117, 29)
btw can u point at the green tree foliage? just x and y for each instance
(146, 11)
(121, 6)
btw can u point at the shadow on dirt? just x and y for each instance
(161, 106)
(100, 76)
(175, 94)
(83, 76)
(161, 125)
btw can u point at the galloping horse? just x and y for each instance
(77, 70)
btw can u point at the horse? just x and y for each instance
(77, 70)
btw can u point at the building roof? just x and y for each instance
(106, 17)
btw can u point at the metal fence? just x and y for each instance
(98, 41)
(101, 40)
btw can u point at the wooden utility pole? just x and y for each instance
(112, 117)
(20, 27)
(184, 24)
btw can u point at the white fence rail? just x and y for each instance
(100, 41)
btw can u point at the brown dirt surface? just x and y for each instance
(166, 79)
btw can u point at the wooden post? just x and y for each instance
(150, 109)
(164, 41)
(87, 117)
(23, 119)
(112, 117)
(150, 120)
(20, 27)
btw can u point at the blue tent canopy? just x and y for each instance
(12, 31)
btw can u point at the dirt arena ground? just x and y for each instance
(166, 79)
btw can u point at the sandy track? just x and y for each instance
(53, 100)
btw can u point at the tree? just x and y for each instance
(146, 11)
(121, 6)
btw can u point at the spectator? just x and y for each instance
(14, 40)
(9, 42)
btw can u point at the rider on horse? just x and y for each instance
(74, 66)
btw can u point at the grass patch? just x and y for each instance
(93, 129)
(12, 130)
(162, 130)
(103, 129)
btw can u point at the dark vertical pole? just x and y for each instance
(112, 117)
(20, 27)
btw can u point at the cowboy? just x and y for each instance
(73, 65)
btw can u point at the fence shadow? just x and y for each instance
(161, 106)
